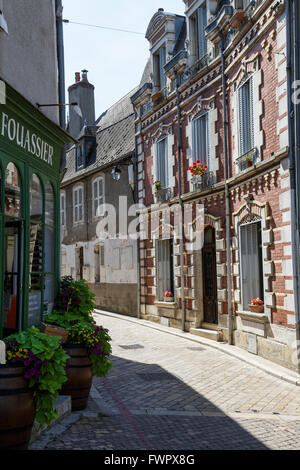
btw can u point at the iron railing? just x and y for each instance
(247, 160)
(202, 182)
(163, 194)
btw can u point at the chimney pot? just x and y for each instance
(77, 77)
(84, 75)
(161, 9)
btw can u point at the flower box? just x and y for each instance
(257, 308)
(169, 299)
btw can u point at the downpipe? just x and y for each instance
(227, 199)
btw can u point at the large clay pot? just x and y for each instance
(79, 374)
(17, 409)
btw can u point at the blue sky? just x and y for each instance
(115, 60)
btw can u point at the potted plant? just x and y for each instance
(157, 185)
(197, 170)
(29, 383)
(168, 296)
(87, 345)
(256, 305)
(248, 160)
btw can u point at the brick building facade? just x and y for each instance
(239, 47)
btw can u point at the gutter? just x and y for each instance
(61, 62)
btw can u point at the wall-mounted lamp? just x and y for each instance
(116, 173)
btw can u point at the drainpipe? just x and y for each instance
(293, 129)
(61, 62)
(227, 197)
(181, 232)
(136, 199)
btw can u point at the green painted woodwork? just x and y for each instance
(22, 128)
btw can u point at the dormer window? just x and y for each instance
(159, 60)
(80, 157)
(198, 22)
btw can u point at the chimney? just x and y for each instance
(81, 92)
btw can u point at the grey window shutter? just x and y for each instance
(250, 263)
(201, 24)
(200, 139)
(162, 62)
(163, 258)
(246, 117)
(162, 162)
(95, 197)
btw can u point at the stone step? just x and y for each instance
(205, 333)
(209, 326)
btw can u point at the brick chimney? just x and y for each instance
(81, 92)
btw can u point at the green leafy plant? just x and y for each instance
(45, 362)
(96, 340)
(75, 297)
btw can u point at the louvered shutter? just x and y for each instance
(161, 162)
(162, 62)
(246, 117)
(163, 267)
(75, 205)
(95, 197)
(100, 195)
(201, 39)
(80, 195)
(250, 263)
(200, 139)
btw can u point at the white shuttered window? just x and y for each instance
(63, 208)
(98, 196)
(78, 203)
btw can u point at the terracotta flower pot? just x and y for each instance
(53, 330)
(257, 308)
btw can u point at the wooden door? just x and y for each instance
(209, 277)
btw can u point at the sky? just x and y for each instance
(115, 60)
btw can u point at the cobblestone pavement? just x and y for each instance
(169, 393)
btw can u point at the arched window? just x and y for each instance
(50, 249)
(36, 250)
(12, 191)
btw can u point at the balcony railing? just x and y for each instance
(247, 160)
(202, 182)
(195, 68)
(163, 195)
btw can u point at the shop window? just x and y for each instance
(36, 250)
(162, 161)
(98, 196)
(49, 252)
(200, 136)
(251, 263)
(164, 263)
(12, 191)
(78, 203)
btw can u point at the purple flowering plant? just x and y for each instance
(75, 297)
(45, 363)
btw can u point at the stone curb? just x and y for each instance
(260, 363)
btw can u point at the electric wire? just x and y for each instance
(102, 27)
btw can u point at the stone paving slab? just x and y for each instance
(163, 395)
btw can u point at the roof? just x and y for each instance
(115, 135)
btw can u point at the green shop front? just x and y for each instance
(31, 147)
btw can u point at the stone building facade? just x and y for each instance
(90, 196)
(237, 48)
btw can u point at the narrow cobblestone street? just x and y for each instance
(169, 393)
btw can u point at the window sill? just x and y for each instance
(161, 303)
(257, 317)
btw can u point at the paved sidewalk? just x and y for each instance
(170, 392)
